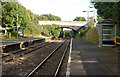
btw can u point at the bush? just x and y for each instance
(51, 30)
(14, 34)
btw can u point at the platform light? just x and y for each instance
(88, 14)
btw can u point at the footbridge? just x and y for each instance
(74, 25)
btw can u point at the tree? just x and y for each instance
(109, 10)
(27, 19)
(49, 17)
(79, 19)
(9, 16)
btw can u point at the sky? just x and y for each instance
(67, 10)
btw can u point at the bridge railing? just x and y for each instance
(117, 40)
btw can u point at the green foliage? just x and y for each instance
(68, 33)
(27, 19)
(9, 16)
(14, 34)
(51, 30)
(109, 10)
(72, 33)
(79, 19)
(92, 35)
(84, 31)
(49, 17)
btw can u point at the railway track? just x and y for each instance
(16, 54)
(46, 60)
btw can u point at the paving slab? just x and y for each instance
(76, 67)
(90, 59)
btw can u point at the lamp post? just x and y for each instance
(93, 15)
(87, 14)
(17, 22)
(93, 11)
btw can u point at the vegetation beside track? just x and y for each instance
(92, 35)
(26, 19)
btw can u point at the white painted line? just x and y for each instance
(69, 61)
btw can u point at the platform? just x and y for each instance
(10, 45)
(89, 59)
(14, 41)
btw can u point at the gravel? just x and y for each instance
(49, 68)
(25, 64)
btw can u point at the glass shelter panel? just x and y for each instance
(108, 33)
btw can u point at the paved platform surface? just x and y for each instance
(89, 59)
(12, 41)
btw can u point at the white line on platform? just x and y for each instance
(69, 61)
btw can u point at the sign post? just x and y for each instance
(33, 34)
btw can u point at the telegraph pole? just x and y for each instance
(93, 15)
(87, 14)
(17, 22)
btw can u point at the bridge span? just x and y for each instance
(74, 25)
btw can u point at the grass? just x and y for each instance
(92, 35)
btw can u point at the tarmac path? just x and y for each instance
(90, 59)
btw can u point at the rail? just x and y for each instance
(14, 55)
(34, 70)
(61, 61)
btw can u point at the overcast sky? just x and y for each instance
(67, 10)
